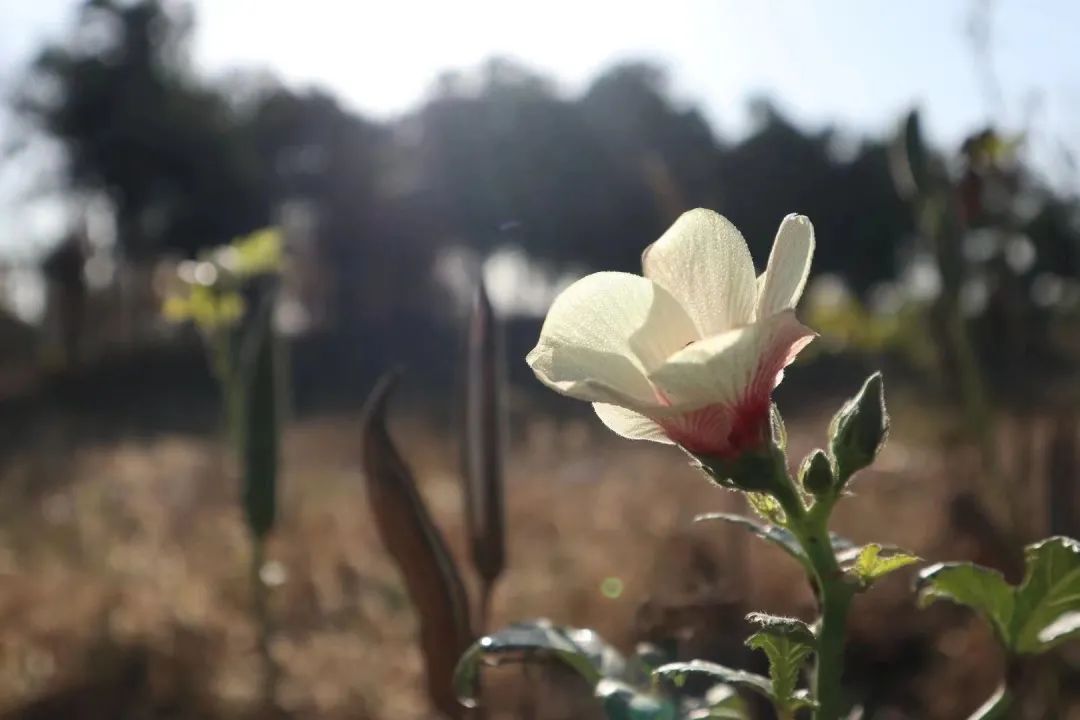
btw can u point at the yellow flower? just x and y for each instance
(260, 253)
(207, 307)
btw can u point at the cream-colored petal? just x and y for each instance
(630, 424)
(602, 333)
(728, 368)
(703, 261)
(782, 284)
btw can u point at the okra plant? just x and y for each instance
(230, 295)
(688, 355)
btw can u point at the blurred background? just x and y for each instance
(409, 151)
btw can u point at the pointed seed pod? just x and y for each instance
(482, 451)
(420, 552)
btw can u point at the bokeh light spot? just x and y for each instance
(612, 588)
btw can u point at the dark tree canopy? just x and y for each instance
(492, 157)
(137, 126)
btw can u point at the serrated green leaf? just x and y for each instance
(699, 671)
(981, 589)
(873, 562)
(766, 506)
(793, 628)
(1043, 611)
(778, 536)
(787, 643)
(1050, 591)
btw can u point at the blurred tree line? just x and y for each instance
(490, 158)
(187, 164)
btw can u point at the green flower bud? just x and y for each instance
(816, 474)
(759, 470)
(859, 430)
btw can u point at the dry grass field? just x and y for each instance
(123, 581)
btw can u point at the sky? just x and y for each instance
(858, 64)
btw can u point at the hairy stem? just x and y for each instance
(835, 596)
(810, 527)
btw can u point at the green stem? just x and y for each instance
(835, 596)
(996, 708)
(263, 627)
(810, 527)
(828, 672)
(1000, 704)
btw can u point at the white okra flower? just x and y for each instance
(689, 353)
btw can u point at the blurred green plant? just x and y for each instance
(230, 295)
(628, 689)
(996, 237)
(847, 325)
(924, 179)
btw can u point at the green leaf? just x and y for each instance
(767, 507)
(873, 562)
(722, 702)
(1043, 611)
(981, 589)
(778, 536)
(1064, 628)
(537, 641)
(708, 674)
(651, 656)
(792, 628)
(1049, 594)
(646, 658)
(623, 702)
(788, 643)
